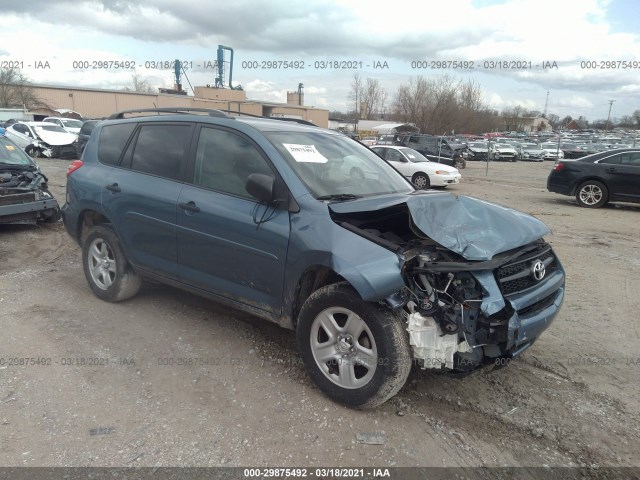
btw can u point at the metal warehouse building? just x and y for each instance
(96, 103)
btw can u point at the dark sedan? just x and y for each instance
(612, 176)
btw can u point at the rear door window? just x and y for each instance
(630, 158)
(161, 150)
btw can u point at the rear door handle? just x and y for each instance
(610, 170)
(113, 188)
(189, 207)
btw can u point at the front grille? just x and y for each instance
(516, 277)
(538, 306)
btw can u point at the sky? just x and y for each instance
(566, 48)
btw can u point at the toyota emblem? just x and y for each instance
(538, 270)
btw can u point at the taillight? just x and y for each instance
(558, 166)
(73, 166)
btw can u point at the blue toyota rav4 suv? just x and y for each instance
(310, 229)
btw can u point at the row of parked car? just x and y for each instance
(456, 151)
(53, 137)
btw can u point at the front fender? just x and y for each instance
(315, 239)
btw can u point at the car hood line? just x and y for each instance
(472, 228)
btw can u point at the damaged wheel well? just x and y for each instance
(88, 220)
(312, 279)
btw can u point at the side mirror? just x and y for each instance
(261, 187)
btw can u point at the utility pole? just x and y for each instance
(609, 115)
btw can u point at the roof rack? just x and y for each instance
(284, 119)
(209, 111)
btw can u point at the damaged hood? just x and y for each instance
(55, 138)
(470, 227)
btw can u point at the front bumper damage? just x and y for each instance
(25, 198)
(472, 292)
(462, 319)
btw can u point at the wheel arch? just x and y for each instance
(87, 220)
(580, 181)
(312, 279)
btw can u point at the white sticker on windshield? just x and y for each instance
(305, 153)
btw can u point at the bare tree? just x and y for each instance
(355, 95)
(139, 84)
(411, 102)
(373, 99)
(443, 105)
(554, 120)
(513, 118)
(16, 91)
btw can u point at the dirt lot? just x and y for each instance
(170, 379)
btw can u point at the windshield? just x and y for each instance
(478, 145)
(51, 128)
(413, 155)
(12, 155)
(332, 165)
(72, 123)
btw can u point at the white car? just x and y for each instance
(417, 168)
(70, 125)
(552, 151)
(503, 152)
(369, 141)
(43, 139)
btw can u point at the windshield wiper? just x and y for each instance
(339, 197)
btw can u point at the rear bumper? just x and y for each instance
(559, 188)
(70, 221)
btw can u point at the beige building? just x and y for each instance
(95, 103)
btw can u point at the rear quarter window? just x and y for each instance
(112, 140)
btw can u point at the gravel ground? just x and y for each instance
(171, 379)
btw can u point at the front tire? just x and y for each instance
(356, 352)
(592, 194)
(33, 152)
(421, 180)
(106, 268)
(460, 164)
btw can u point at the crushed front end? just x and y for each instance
(462, 314)
(480, 282)
(25, 197)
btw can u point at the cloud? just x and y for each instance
(523, 30)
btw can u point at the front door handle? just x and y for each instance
(189, 207)
(113, 188)
(610, 170)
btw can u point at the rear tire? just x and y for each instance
(592, 194)
(106, 268)
(356, 352)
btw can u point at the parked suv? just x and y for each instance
(438, 149)
(84, 134)
(312, 230)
